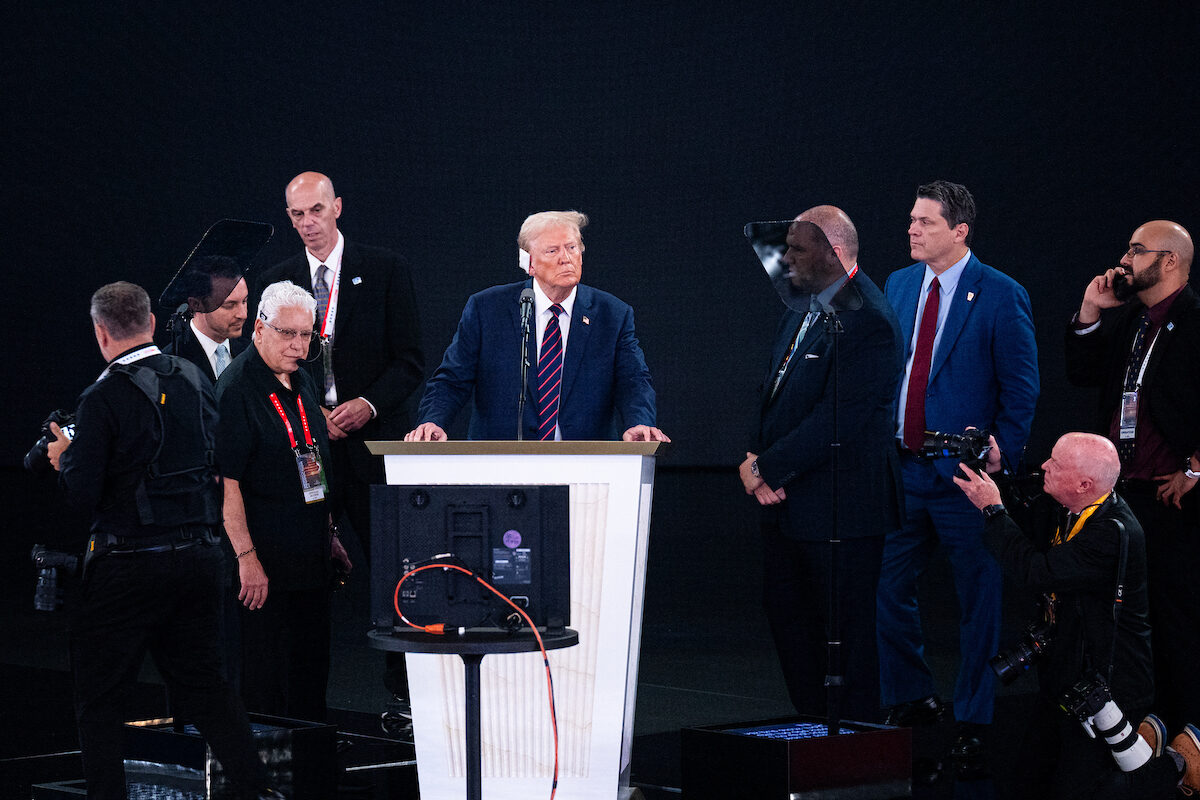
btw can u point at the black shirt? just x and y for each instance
(1083, 573)
(116, 436)
(291, 536)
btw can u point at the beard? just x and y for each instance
(1125, 287)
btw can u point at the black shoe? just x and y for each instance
(396, 719)
(926, 711)
(968, 741)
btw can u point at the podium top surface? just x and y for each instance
(505, 448)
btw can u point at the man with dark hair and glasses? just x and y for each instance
(1137, 338)
(970, 361)
(273, 451)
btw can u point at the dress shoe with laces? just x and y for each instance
(1187, 744)
(926, 711)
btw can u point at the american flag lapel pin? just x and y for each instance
(356, 280)
(970, 296)
(586, 321)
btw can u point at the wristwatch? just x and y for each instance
(994, 510)
(754, 468)
(1187, 469)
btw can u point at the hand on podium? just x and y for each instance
(426, 432)
(644, 433)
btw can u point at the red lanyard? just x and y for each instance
(303, 420)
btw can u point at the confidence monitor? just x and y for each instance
(515, 537)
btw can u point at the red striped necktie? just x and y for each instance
(549, 380)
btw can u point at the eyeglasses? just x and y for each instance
(1138, 250)
(290, 335)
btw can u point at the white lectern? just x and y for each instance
(595, 683)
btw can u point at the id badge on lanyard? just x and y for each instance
(1129, 399)
(314, 484)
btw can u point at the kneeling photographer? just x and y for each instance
(1092, 646)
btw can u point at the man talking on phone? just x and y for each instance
(1137, 338)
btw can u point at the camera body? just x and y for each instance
(37, 460)
(47, 596)
(1085, 698)
(1014, 661)
(971, 447)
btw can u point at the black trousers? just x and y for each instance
(1172, 563)
(167, 604)
(285, 654)
(796, 599)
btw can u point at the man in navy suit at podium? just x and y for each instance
(586, 376)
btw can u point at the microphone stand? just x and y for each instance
(526, 313)
(833, 675)
(176, 325)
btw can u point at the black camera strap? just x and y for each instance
(1119, 596)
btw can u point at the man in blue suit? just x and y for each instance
(971, 361)
(586, 374)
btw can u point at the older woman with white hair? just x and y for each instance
(273, 453)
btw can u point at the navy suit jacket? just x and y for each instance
(189, 348)
(605, 379)
(985, 370)
(796, 427)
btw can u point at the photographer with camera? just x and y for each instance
(1088, 554)
(141, 463)
(1137, 338)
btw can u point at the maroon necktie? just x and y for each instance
(549, 380)
(918, 377)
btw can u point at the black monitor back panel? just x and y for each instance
(515, 537)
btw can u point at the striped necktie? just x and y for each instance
(549, 380)
(321, 295)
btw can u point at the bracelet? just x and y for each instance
(246, 553)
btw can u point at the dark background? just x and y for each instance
(131, 128)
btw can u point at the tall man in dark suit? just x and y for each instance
(1137, 338)
(971, 362)
(789, 472)
(371, 362)
(212, 339)
(587, 370)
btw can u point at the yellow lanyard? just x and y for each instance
(1079, 523)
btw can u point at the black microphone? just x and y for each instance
(526, 308)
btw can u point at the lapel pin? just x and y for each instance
(1170, 326)
(587, 321)
(356, 280)
(970, 296)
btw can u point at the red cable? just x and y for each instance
(439, 629)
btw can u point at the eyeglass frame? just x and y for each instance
(1143, 251)
(287, 333)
